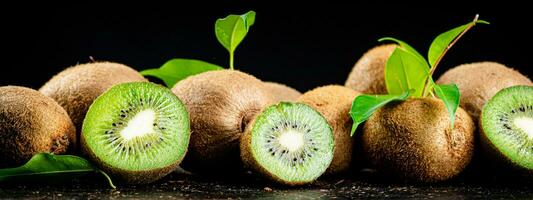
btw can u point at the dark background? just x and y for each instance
(303, 46)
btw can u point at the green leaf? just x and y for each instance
(408, 48)
(404, 72)
(178, 69)
(365, 105)
(49, 167)
(450, 95)
(231, 30)
(441, 42)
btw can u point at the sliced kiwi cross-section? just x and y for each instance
(137, 131)
(288, 142)
(507, 125)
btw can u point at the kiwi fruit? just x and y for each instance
(75, 88)
(413, 140)
(282, 92)
(479, 81)
(138, 132)
(221, 103)
(367, 76)
(290, 143)
(507, 127)
(31, 123)
(334, 103)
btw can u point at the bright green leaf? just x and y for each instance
(441, 42)
(178, 69)
(231, 30)
(365, 105)
(49, 167)
(450, 95)
(408, 48)
(404, 72)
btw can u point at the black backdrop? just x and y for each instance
(303, 46)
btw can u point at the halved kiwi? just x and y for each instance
(290, 143)
(507, 126)
(138, 132)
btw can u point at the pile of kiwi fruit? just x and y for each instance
(225, 122)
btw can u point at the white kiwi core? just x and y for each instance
(526, 124)
(141, 124)
(292, 140)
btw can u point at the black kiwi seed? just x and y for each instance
(114, 124)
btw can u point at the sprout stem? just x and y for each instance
(446, 50)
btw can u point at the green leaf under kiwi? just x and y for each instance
(364, 106)
(178, 69)
(231, 30)
(441, 42)
(404, 71)
(49, 167)
(450, 95)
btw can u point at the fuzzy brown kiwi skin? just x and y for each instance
(130, 177)
(479, 81)
(250, 163)
(31, 123)
(75, 88)
(367, 75)
(413, 140)
(282, 92)
(334, 103)
(220, 104)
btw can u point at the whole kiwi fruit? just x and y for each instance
(367, 76)
(334, 103)
(220, 104)
(75, 88)
(282, 92)
(479, 81)
(413, 140)
(31, 123)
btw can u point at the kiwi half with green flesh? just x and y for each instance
(290, 143)
(507, 126)
(367, 76)
(139, 132)
(31, 123)
(220, 104)
(334, 103)
(282, 92)
(479, 81)
(75, 88)
(413, 140)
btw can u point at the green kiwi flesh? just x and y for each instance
(136, 131)
(507, 125)
(290, 143)
(31, 123)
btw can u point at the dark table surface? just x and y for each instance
(247, 186)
